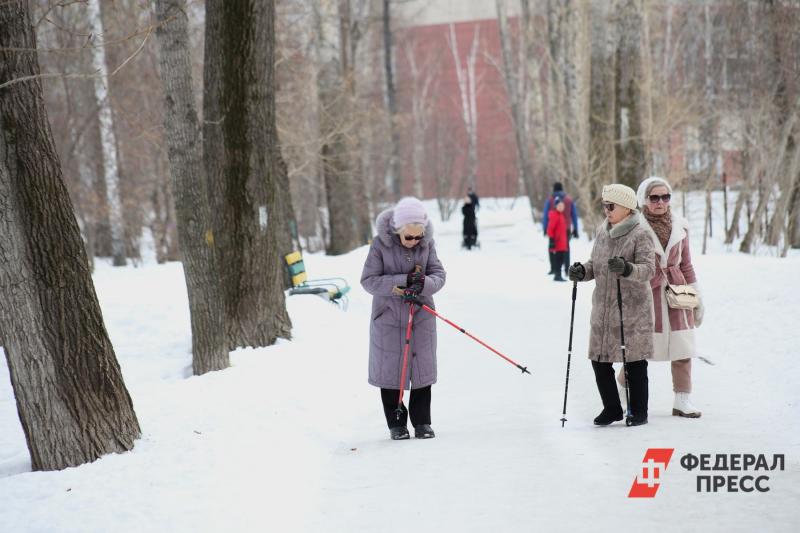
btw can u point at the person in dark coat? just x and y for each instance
(557, 231)
(473, 196)
(470, 223)
(571, 216)
(404, 241)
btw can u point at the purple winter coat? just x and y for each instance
(387, 265)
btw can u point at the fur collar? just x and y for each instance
(386, 234)
(624, 227)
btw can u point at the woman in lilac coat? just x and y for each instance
(404, 240)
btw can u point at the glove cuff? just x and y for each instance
(628, 269)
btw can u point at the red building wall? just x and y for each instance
(496, 169)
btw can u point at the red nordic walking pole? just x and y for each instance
(476, 339)
(399, 411)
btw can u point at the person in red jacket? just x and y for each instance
(557, 231)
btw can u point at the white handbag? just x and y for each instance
(682, 296)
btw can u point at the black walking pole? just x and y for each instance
(569, 351)
(628, 414)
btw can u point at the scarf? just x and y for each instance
(624, 227)
(661, 224)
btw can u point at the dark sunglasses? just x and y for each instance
(654, 198)
(413, 237)
(609, 207)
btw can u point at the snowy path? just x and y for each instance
(292, 438)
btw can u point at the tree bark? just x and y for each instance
(71, 398)
(511, 74)
(336, 158)
(209, 343)
(632, 150)
(243, 168)
(602, 103)
(393, 177)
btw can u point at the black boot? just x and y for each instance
(424, 431)
(639, 390)
(607, 387)
(399, 433)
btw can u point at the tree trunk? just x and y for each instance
(393, 177)
(632, 150)
(336, 159)
(602, 110)
(71, 398)
(511, 74)
(468, 92)
(242, 159)
(209, 343)
(108, 138)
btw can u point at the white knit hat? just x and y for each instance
(620, 194)
(647, 185)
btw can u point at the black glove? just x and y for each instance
(415, 278)
(619, 265)
(575, 232)
(551, 244)
(576, 272)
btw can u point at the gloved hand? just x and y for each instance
(576, 272)
(699, 311)
(619, 265)
(408, 294)
(551, 244)
(415, 278)
(575, 232)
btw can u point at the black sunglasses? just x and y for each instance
(654, 198)
(609, 207)
(413, 237)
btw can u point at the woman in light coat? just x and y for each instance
(673, 337)
(623, 250)
(404, 241)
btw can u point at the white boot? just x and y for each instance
(683, 406)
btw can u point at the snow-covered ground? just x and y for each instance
(292, 438)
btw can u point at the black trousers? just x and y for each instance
(557, 262)
(637, 386)
(419, 407)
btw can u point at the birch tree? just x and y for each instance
(468, 93)
(108, 140)
(515, 78)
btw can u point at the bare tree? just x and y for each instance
(108, 138)
(423, 79)
(393, 177)
(468, 87)
(209, 343)
(515, 78)
(71, 398)
(632, 149)
(243, 166)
